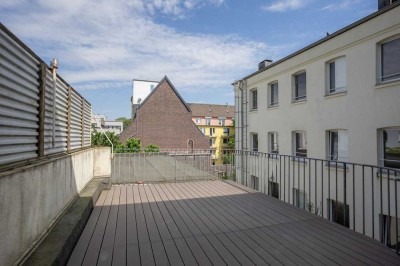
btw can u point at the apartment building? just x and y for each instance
(140, 90)
(101, 121)
(336, 100)
(216, 122)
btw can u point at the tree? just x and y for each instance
(126, 121)
(152, 148)
(133, 145)
(231, 139)
(99, 139)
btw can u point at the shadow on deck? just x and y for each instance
(214, 223)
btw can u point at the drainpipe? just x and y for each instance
(53, 65)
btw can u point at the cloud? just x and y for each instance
(285, 5)
(99, 44)
(346, 4)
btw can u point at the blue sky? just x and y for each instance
(201, 45)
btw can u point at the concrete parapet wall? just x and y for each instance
(33, 197)
(102, 161)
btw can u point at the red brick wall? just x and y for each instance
(164, 120)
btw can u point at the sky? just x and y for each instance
(201, 45)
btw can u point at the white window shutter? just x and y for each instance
(343, 152)
(340, 73)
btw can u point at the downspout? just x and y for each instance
(53, 65)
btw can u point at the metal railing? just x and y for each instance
(361, 197)
(130, 166)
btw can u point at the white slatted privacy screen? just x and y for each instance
(26, 107)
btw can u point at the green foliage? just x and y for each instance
(133, 145)
(231, 140)
(125, 121)
(228, 158)
(99, 139)
(152, 148)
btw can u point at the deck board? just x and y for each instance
(214, 223)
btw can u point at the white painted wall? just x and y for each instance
(141, 89)
(33, 196)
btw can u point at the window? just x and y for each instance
(273, 189)
(254, 182)
(226, 131)
(203, 130)
(221, 121)
(212, 131)
(388, 230)
(253, 94)
(299, 198)
(300, 144)
(212, 141)
(336, 76)
(273, 142)
(391, 148)
(225, 141)
(254, 142)
(337, 145)
(208, 121)
(299, 93)
(389, 60)
(339, 212)
(198, 120)
(273, 95)
(151, 87)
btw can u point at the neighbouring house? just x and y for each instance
(140, 90)
(163, 118)
(101, 121)
(216, 122)
(336, 100)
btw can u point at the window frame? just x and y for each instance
(212, 131)
(270, 148)
(379, 67)
(382, 145)
(254, 102)
(221, 121)
(272, 104)
(253, 134)
(334, 217)
(336, 90)
(297, 195)
(294, 143)
(295, 98)
(341, 154)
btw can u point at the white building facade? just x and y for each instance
(140, 90)
(338, 100)
(101, 121)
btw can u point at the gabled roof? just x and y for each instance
(212, 110)
(166, 79)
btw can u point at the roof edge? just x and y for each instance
(331, 36)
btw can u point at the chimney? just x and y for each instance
(264, 64)
(385, 3)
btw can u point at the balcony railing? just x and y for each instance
(361, 197)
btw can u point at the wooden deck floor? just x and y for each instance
(214, 223)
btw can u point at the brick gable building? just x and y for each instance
(164, 119)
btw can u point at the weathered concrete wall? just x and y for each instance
(32, 197)
(102, 161)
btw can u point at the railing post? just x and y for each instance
(42, 108)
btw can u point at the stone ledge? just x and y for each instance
(58, 245)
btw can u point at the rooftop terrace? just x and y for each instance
(214, 223)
